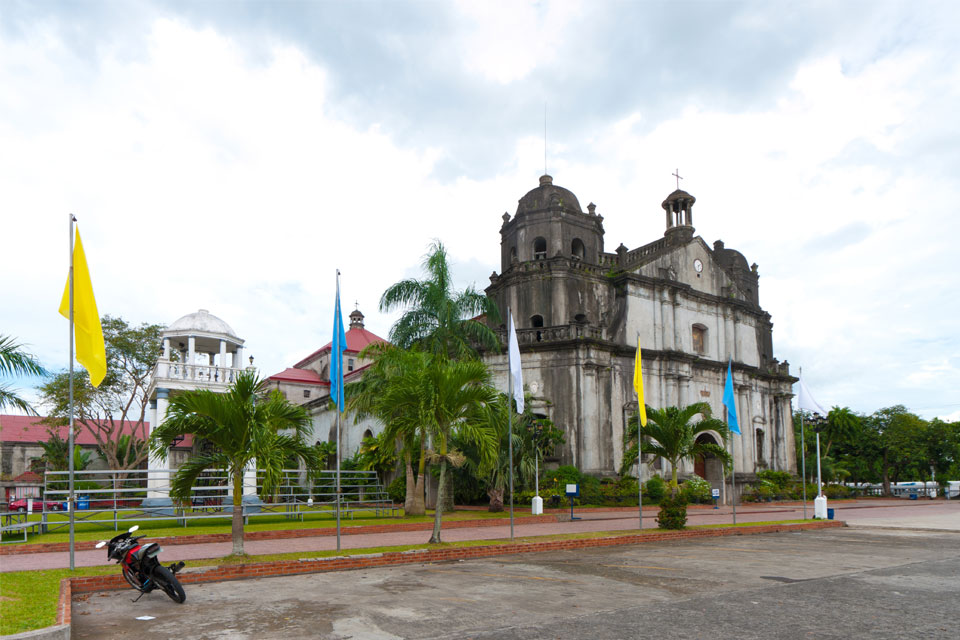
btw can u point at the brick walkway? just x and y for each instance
(944, 515)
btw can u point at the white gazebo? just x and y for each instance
(200, 351)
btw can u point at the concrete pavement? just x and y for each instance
(838, 583)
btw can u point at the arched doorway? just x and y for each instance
(709, 466)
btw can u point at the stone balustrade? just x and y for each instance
(208, 374)
(559, 333)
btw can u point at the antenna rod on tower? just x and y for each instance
(544, 138)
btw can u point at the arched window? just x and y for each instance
(366, 434)
(539, 249)
(537, 322)
(580, 318)
(513, 254)
(760, 446)
(699, 338)
(577, 249)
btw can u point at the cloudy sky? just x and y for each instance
(232, 155)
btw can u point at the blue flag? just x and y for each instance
(730, 400)
(337, 347)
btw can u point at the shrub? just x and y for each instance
(673, 512)
(779, 480)
(654, 489)
(397, 490)
(696, 490)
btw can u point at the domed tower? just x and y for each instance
(549, 223)
(200, 351)
(550, 254)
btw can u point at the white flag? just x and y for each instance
(805, 401)
(513, 355)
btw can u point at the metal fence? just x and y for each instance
(111, 498)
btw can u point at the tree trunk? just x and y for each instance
(674, 485)
(886, 476)
(496, 500)
(236, 528)
(411, 483)
(438, 512)
(417, 506)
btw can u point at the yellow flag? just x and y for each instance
(88, 333)
(638, 385)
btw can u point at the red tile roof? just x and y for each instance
(29, 477)
(29, 429)
(357, 339)
(300, 376)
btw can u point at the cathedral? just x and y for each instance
(580, 312)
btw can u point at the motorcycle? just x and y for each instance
(140, 566)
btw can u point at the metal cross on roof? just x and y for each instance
(678, 177)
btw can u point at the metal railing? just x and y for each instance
(110, 498)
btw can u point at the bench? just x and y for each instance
(19, 526)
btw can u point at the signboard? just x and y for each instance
(716, 493)
(573, 490)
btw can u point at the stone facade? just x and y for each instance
(579, 312)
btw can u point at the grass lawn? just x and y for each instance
(165, 528)
(28, 599)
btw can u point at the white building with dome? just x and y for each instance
(200, 351)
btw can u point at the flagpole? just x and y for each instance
(639, 454)
(339, 349)
(510, 424)
(733, 476)
(803, 459)
(70, 504)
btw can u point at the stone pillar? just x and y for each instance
(223, 354)
(166, 348)
(238, 358)
(683, 398)
(191, 351)
(666, 314)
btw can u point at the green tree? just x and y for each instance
(55, 454)
(437, 317)
(245, 426)
(378, 454)
(897, 434)
(671, 433)
(15, 361)
(132, 352)
(842, 424)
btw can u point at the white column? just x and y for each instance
(191, 351)
(223, 354)
(238, 358)
(158, 484)
(166, 348)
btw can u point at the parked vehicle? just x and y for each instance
(38, 505)
(141, 567)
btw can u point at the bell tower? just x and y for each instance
(679, 209)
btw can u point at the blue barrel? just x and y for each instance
(83, 502)
(829, 514)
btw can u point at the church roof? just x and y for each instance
(548, 195)
(201, 322)
(300, 376)
(357, 339)
(29, 429)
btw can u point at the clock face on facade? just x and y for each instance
(697, 265)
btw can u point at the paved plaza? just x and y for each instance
(840, 583)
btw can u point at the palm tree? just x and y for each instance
(245, 427)
(439, 318)
(443, 397)
(393, 369)
(14, 361)
(671, 433)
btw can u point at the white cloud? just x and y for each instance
(205, 176)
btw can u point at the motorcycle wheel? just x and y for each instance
(130, 577)
(169, 583)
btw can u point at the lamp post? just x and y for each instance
(820, 504)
